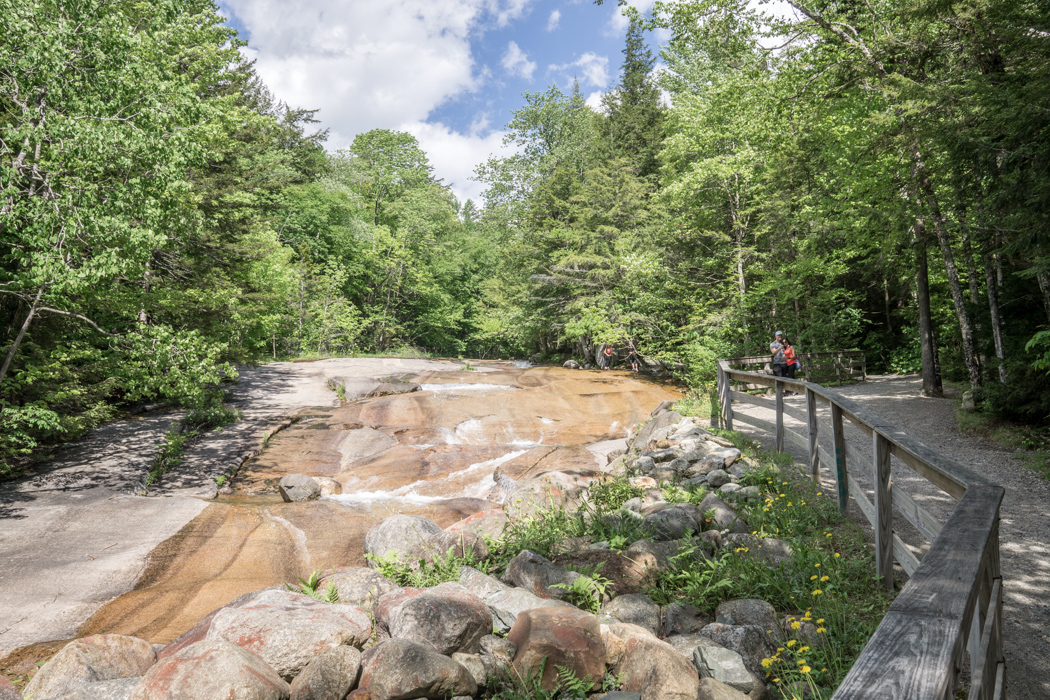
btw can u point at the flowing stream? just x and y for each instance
(447, 451)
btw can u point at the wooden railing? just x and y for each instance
(819, 367)
(952, 603)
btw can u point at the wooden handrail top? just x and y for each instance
(955, 478)
(750, 359)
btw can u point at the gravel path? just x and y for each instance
(1024, 527)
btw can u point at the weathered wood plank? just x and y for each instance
(904, 556)
(780, 417)
(838, 437)
(983, 663)
(883, 510)
(760, 401)
(861, 499)
(909, 657)
(814, 456)
(915, 514)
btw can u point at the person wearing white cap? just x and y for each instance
(779, 359)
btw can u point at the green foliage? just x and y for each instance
(588, 592)
(311, 586)
(424, 573)
(511, 685)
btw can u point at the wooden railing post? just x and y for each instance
(838, 435)
(780, 416)
(727, 401)
(883, 511)
(814, 453)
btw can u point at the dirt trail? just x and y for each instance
(1024, 527)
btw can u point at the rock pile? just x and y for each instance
(382, 641)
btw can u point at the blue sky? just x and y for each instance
(448, 71)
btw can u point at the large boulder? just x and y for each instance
(486, 523)
(662, 420)
(296, 488)
(530, 498)
(328, 486)
(448, 618)
(358, 585)
(398, 535)
(118, 689)
(288, 629)
(442, 544)
(628, 572)
(747, 611)
(723, 517)
(634, 609)
(724, 665)
(654, 669)
(331, 676)
(718, 478)
(211, 669)
(199, 632)
(537, 575)
(563, 637)
(615, 636)
(100, 657)
(401, 668)
(752, 642)
(8, 691)
(505, 602)
(670, 524)
(686, 644)
(682, 619)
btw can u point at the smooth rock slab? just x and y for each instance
(724, 517)
(100, 657)
(400, 668)
(485, 523)
(288, 629)
(724, 665)
(330, 676)
(211, 669)
(564, 637)
(296, 488)
(398, 534)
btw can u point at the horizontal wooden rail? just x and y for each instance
(952, 603)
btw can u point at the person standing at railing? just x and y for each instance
(792, 359)
(779, 359)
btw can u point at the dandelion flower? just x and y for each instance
(766, 663)
(813, 577)
(805, 669)
(836, 555)
(818, 592)
(821, 630)
(824, 578)
(791, 643)
(795, 625)
(820, 621)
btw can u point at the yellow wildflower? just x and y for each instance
(805, 669)
(820, 621)
(824, 578)
(821, 630)
(818, 592)
(813, 577)
(795, 625)
(766, 663)
(791, 643)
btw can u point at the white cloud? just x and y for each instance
(512, 9)
(365, 65)
(594, 100)
(454, 155)
(553, 20)
(618, 22)
(595, 69)
(381, 64)
(516, 62)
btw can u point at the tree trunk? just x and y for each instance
(21, 333)
(1044, 287)
(954, 283)
(993, 308)
(931, 373)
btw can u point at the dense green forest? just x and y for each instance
(872, 176)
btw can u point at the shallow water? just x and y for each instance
(445, 452)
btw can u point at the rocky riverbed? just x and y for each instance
(373, 639)
(87, 554)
